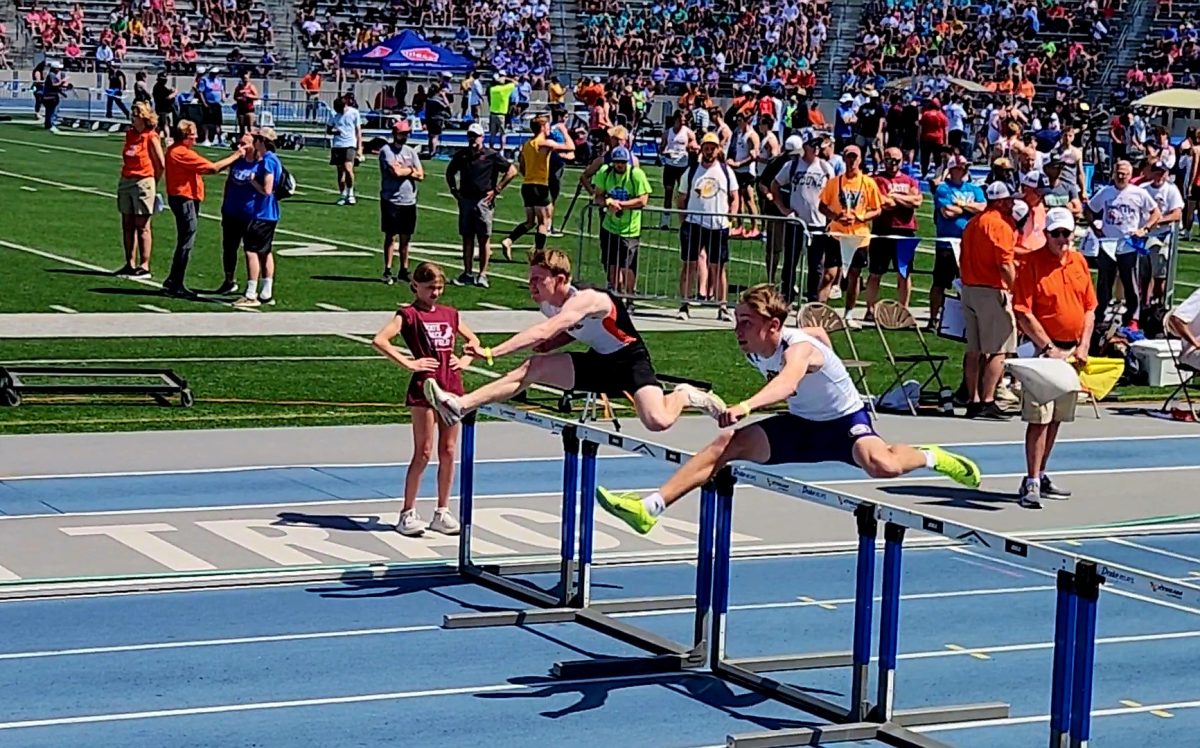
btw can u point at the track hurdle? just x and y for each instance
(570, 600)
(1079, 581)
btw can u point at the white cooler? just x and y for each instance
(1155, 358)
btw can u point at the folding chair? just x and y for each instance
(816, 314)
(1187, 374)
(894, 316)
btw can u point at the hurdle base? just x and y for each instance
(557, 613)
(783, 692)
(621, 667)
(774, 663)
(822, 735)
(525, 593)
(936, 715)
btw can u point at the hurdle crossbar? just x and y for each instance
(570, 600)
(1080, 579)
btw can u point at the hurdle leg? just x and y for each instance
(587, 518)
(1087, 593)
(864, 600)
(1064, 661)
(551, 607)
(466, 491)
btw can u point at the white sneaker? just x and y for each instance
(708, 402)
(445, 523)
(852, 323)
(351, 200)
(443, 402)
(481, 281)
(410, 524)
(342, 200)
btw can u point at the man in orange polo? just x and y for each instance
(185, 192)
(1055, 304)
(988, 271)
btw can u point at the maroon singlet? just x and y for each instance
(430, 333)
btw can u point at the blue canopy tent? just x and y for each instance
(407, 52)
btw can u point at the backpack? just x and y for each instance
(287, 184)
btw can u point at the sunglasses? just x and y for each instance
(891, 161)
(1060, 233)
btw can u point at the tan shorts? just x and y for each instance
(135, 197)
(991, 328)
(1061, 410)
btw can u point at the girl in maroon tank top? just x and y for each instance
(429, 330)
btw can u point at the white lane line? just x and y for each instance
(416, 247)
(266, 705)
(152, 308)
(1152, 549)
(25, 188)
(1036, 718)
(331, 307)
(69, 260)
(63, 309)
(213, 642)
(43, 150)
(284, 466)
(1114, 591)
(497, 307)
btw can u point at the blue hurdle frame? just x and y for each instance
(1078, 586)
(571, 599)
(860, 720)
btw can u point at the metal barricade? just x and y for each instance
(650, 267)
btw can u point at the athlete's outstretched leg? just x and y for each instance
(659, 411)
(879, 459)
(555, 370)
(749, 443)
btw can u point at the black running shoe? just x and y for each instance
(1051, 491)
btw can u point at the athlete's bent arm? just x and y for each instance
(798, 359)
(467, 334)
(383, 344)
(580, 305)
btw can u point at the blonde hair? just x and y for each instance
(765, 301)
(142, 110)
(185, 129)
(553, 260)
(428, 272)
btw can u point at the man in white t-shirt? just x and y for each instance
(1152, 268)
(709, 193)
(805, 176)
(825, 421)
(1127, 214)
(956, 117)
(346, 146)
(1184, 321)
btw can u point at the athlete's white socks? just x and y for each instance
(654, 504)
(930, 460)
(251, 289)
(268, 287)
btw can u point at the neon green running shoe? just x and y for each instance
(626, 506)
(955, 466)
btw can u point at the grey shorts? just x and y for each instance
(475, 218)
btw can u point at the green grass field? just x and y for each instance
(60, 239)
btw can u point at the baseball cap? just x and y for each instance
(402, 126)
(1035, 180)
(846, 98)
(747, 88)
(1020, 210)
(501, 74)
(266, 133)
(851, 150)
(475, 129)
(1159, 166)
(710, 137)
(1059, 218)
(620, 153)
(958, 162)
(793, 144)
(998, 191)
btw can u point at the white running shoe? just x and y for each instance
(351, 200)
(445, 523)
(443, 402)
(411, 525)
(707, 402)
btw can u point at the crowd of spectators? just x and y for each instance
(1173, 58)
(712, 42)
(154, 26)
(1006, 45)
(518, 32)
